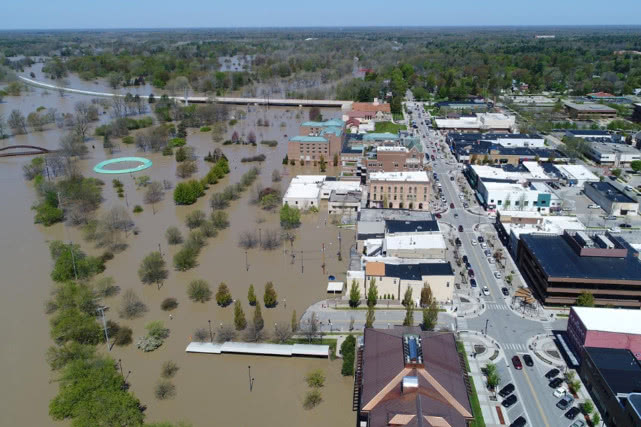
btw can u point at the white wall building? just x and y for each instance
(479, 122)
(606, 153)
(521, 140)
(577, 175)
(306, 191)
(502, 196)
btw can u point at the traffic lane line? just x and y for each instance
(536, 399)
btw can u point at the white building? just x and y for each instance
(423, 246)
(505, 196)
(486, 122)
(520, 140)
(606, 153)
(306, 191)
(577, 175)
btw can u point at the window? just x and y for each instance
(499, 202)
(516, 203)
(492, 201)
(395, 189)
(526, 203)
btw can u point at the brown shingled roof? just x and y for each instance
(370, 107)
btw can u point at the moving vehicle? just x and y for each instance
(519, 422)
(486, 291)
(611, 217)
(438, 215)
(555, 382)
(624, 225)
(517, 363)
(565, 402)
(458, 242)
(509, 401)
(451, 205)
(507, 390)
(552, 373)
(528, 360)
(497, 274)
(505, 291)
(460, 228)
(572, 413)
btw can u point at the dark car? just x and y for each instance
(460, 228)
(572, 413)
(470, 272)
(438, 215)
(555, 382)
(465, 259)
(458, 242)
(517, 362)
(624, 225)
(519, 422)
(481, 239)
(552, 373)
(473, 283)
(511, 400)
(507, 390)
(505, 291)
(451, 205)
(528, 360)
(565, 402)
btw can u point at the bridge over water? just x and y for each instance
(8, 151)
(204, 99)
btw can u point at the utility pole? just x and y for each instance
(323, 251)
(340, 256)
(211, 333)
(246, 263)
(101, 309)
(302, 267)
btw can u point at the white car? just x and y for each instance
(559, 392)
(486, 291)
(491, 260)
(497, 274)
(473, 241)
(484, 245)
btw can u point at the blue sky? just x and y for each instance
(48, 14)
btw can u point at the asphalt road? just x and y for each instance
(535, 399)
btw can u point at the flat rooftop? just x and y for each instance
(589, 107)
(373, 215)
(421, 176)
(411, 226)
(611, 192)
(577, 172)
(618, 320)
(612, 148)
(417, 241)
(619, 368)
(559, 260)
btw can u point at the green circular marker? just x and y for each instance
(144, 164)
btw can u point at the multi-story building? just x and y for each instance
(479, 122)
(559, 268)
(606, 153)
(612, 199)
(399, 190)
(410, 378)
(636, 115)
(589, 111)
(605, 327)
(316, 140)
(613, 379)
(496, 149)
(394, 159)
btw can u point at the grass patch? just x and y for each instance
(474, 398)
(562, 315)
(331, 342)
(398, 116)
(390, 127)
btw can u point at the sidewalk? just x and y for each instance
(490, 406)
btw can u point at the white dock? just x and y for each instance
(288, 350)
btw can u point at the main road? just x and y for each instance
(510, 330)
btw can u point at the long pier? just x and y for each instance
(205, 99)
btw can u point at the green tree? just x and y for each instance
(294, 322)
(72, 324)
(493, 378)
(323, 164)
(407, 297)
(354, 295)
(239, 316)
(587, 407)
(372, 293)
(70, 262)
(348, 351)
(152, 269)
(585, 299)
(259, 323)
(270, 297)
(616, 172)
(186, 258)
(636, 165)
(198, 291)
(223, 296)
(369, 319)
(315, 378)
(409, 314)
(251, 295)
(596, 419)
(426, 296)
(289, 217)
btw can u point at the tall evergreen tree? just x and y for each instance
(259, 323)
(239, 316)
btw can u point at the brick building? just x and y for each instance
(316, 139)
(399, 190)
(395, 158)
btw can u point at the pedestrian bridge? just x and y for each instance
(23, 150)
(205, 99)
(304, 350)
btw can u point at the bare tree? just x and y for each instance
(311, 328)
(17, 122)
(81, 120)
(282, 332)
(154, 194)
(247, 240)
(118, 107)
(271, 239)
(201, 335)
(254, 334)
(226, 333)
(3, 127)
(131, 305)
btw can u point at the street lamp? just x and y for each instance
(211, 333)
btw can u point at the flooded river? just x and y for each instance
(211, 389)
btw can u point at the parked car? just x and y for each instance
(470, 272)
(528, 360)
(465, 259)
(487, 252)
(486, 291)
(458, 242)
(565, 402)
(611, 217)
(517, 363)
(572, 413)
(578, 423)
(473, 283)
(484, 245)
(552, 373)
(491, 260)
(438, 215)
(555, 382)
(505, 291)
(481, 239)
(497, 274)
(473, 242)
(519, 422)
(466, 205)
(460, 228)
(559, 392)
(507, 390)
(509, 401)
(594, 206)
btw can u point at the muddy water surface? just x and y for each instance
(211, 389)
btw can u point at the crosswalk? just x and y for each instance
(491, 306)
(514, 346)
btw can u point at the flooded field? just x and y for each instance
(211, 389)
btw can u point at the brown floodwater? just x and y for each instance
(211, 389)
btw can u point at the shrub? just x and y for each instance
(269, 143)
(257, 158)
(186, 193)
(186, 169)
(312, 399)
(164, 390)
(167, 151)
(315, 378)
(220, 220)
(195, 219)
(196, 240)
(208, 229)
(131, 305)
(106, 287)
(205, 129)
(47, 214)
(289, 217)
(173, 235)
(148, 343)
(128, 140)
(270, 297)
(169, 369)
(177, 142)
(138, 209)
(157, 329)
(169, 304)
(185, 259)
(198, 291)
(123, 336)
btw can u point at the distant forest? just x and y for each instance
(357, 64)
